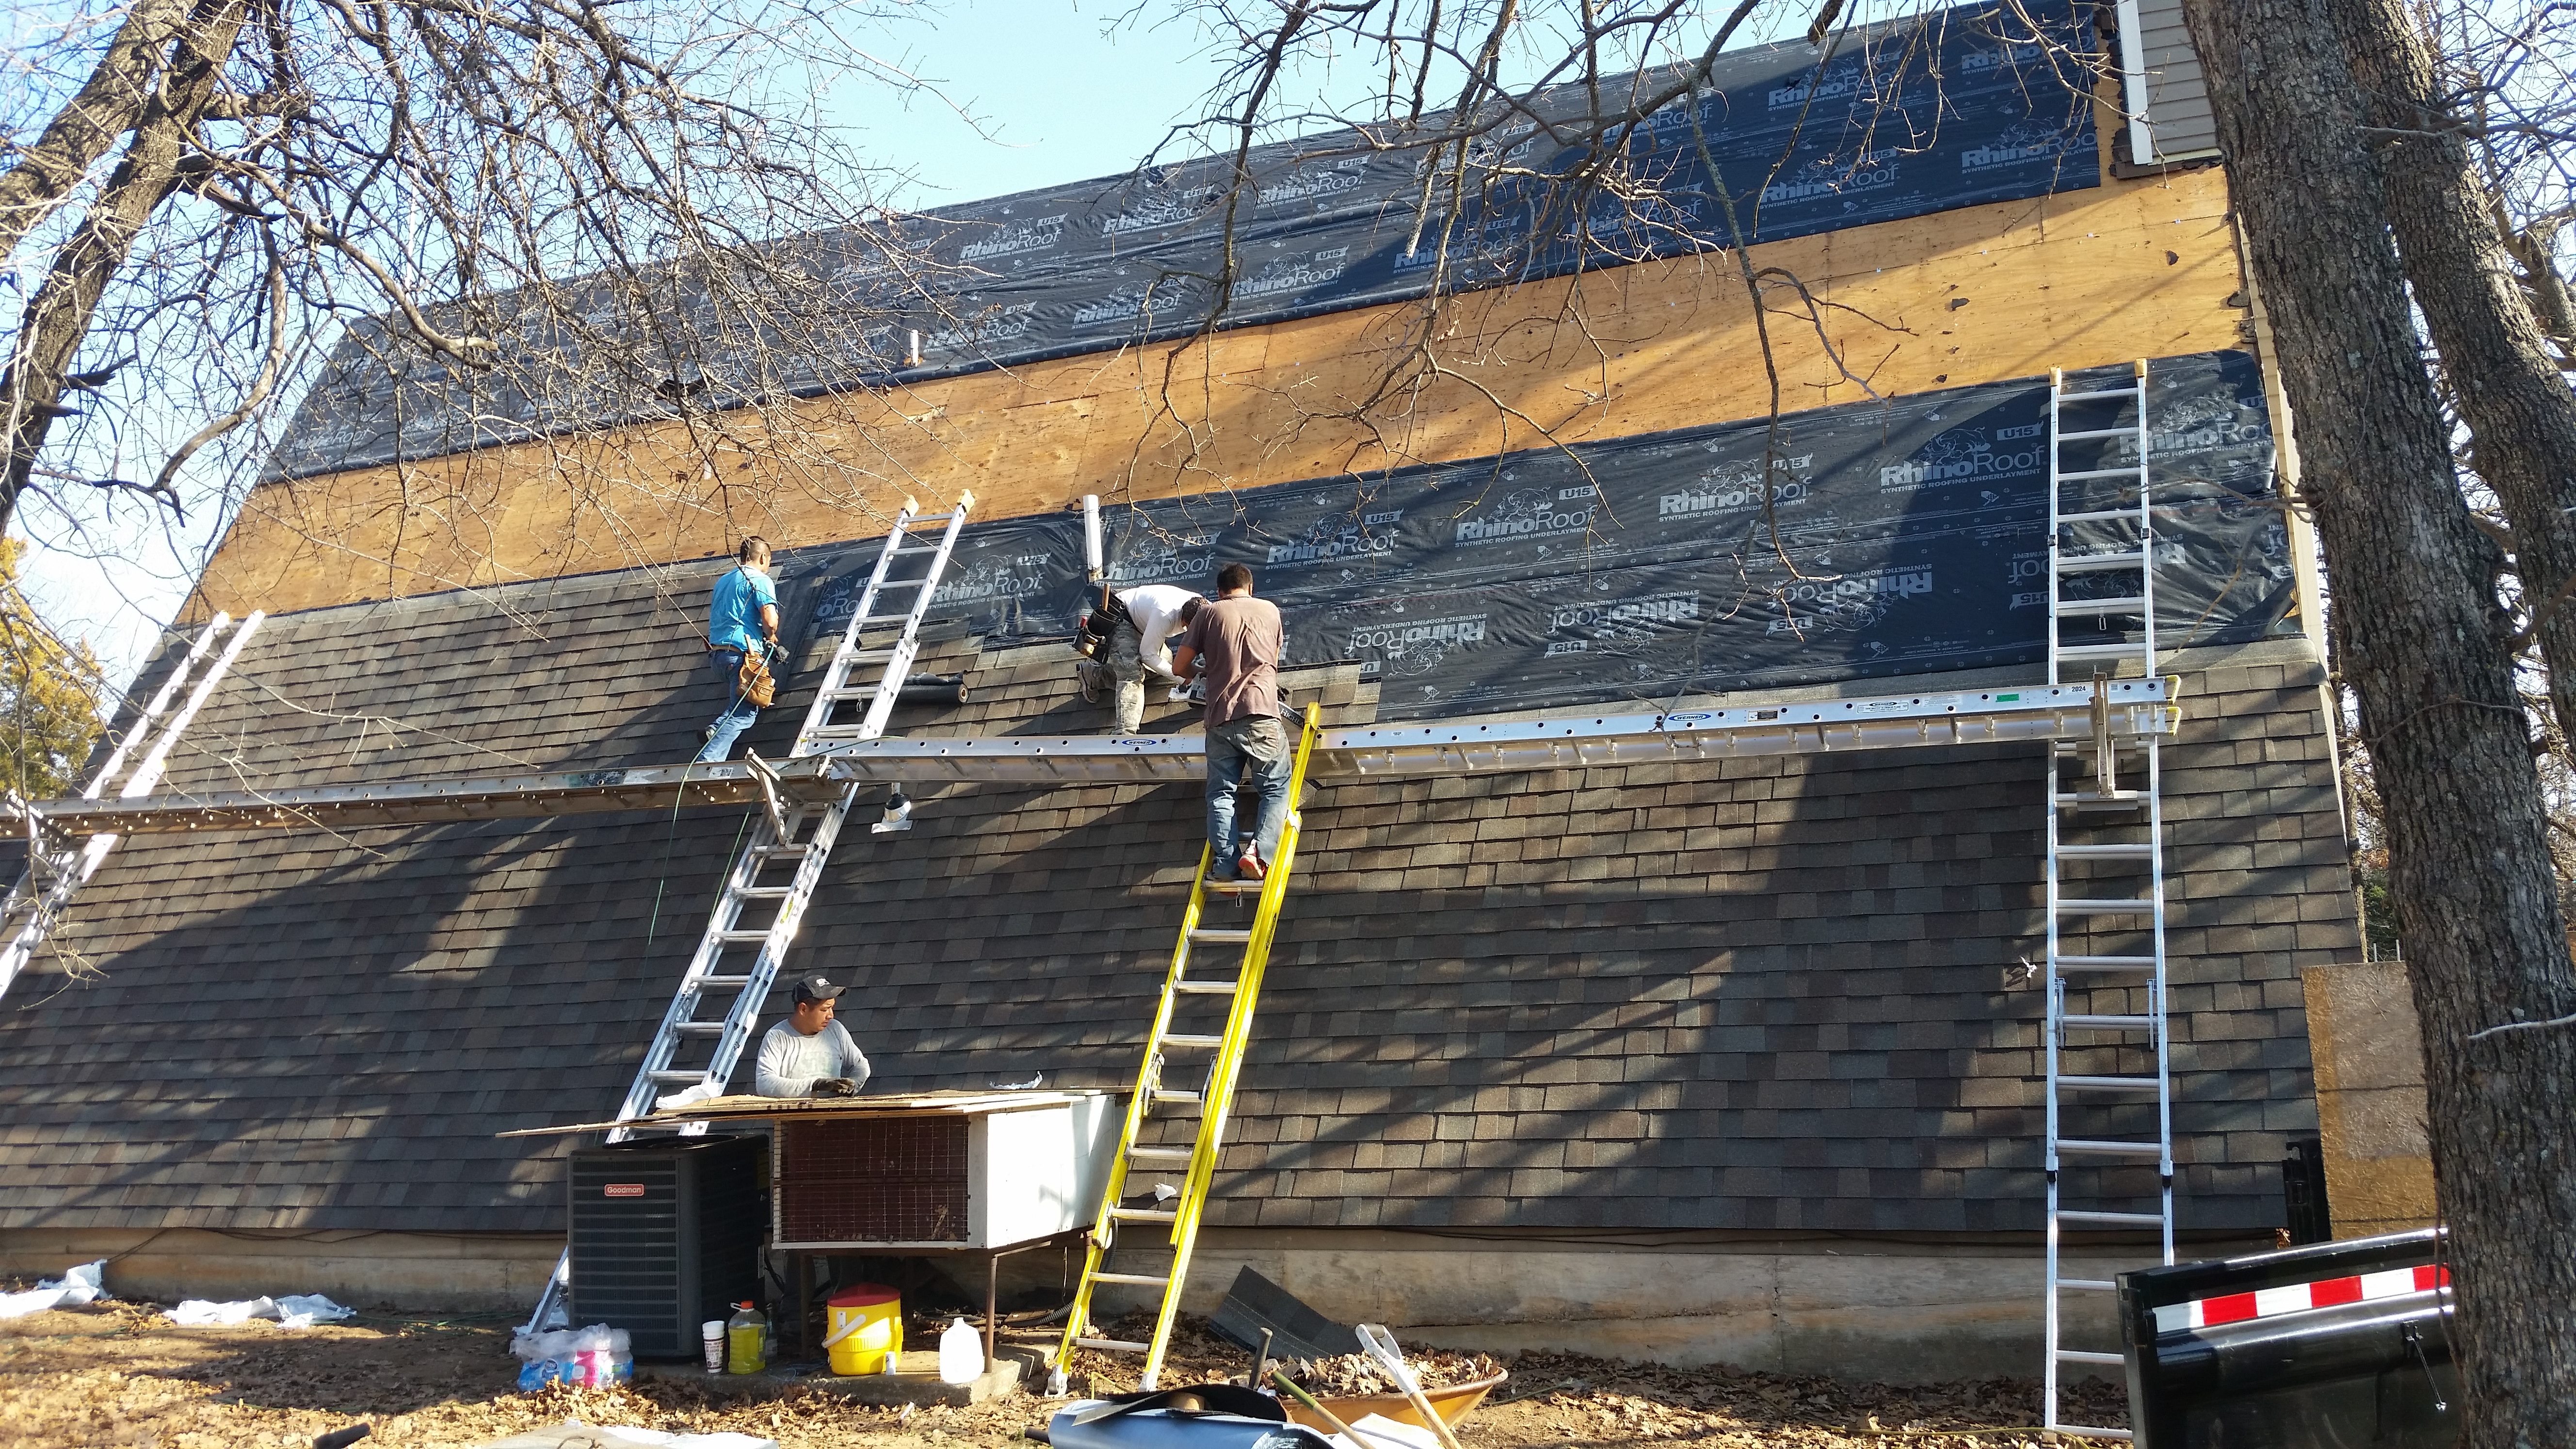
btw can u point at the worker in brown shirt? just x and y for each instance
(1235, 643)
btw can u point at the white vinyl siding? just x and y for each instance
(2167, 98)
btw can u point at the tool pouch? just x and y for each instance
(754, 682)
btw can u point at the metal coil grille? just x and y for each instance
(873, 1180)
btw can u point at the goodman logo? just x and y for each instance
(622, 1189)
(1833, 85)
(1412, 646)
(1955, 456)
(1724, 490)
(1531, 513)
(1039, 235)
(1878, 177)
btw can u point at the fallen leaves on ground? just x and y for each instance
(120, 1375)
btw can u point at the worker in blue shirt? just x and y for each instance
(743, 618)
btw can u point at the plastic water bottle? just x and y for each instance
(961, 1354)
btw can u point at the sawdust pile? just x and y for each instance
(119, 1375)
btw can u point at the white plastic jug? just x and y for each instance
(961, 1354)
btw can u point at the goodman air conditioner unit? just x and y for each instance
(665, 1234)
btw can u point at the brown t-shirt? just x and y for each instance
(1239, 639)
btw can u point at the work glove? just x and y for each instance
(835, 1087)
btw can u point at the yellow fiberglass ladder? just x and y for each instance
(1155, 1139)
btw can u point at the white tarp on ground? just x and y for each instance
(77, 1286)
(295, 1310)
(574, 1434)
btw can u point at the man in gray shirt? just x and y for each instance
(809, 1054)
(1235, 642)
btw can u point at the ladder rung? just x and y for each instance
(711, 979)
(1178, 1099)
(2102, 606)
(2110, 1084)
(1112, 1345)
(2133, 390)
(1137, 1278)
(1144, 1215)
(1215, 937)
(2128, 472)
(781, 849)
(855, 691)
(2148, 1220)
(2106, 963)
(2089, 1285)
(2101, 651)
(1234, 887)
(869, 656)
(764, 893)
(2105, 908)
(1160, 1154)
(2128, 558)
(2082, 1355)
(901, 549)
(2116, 800)
(2126, 850)
(1187, 1039)
(698, 1028)
(2098, 515)
(1203, 988)
(2079, 436)
(674, 1078)
(742, 938)
(2094, 1147)
(2108, 1023)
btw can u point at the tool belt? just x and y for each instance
(753, 680)
(1091, 633)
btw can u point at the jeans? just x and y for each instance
(1127, 666)
(738, 712)
(1246, 752)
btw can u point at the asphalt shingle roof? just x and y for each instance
(1762, 994)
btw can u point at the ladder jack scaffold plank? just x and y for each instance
(1180, 1129)
(56, 871)
(720, 995)
(2109, 1103)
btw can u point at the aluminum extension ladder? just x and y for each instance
(793, 837)
(2106, 821)
(1195, 1156)
(55, 872)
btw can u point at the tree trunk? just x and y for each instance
(57, 318)
(2520, 415)
(91, 123)
(2426, 646)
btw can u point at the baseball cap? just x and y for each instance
(816, 988)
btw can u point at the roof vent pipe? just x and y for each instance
(1091, 535)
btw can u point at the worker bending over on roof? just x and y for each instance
(1142, 640)
(1235, 642)
(809, 1054)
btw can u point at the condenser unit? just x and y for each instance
(666, 1234)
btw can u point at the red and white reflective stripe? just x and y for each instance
(2299, 1298)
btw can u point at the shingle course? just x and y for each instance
(1759, 993)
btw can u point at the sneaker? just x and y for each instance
(1250, 866)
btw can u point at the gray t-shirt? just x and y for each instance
(792, 1062)
(1239, 639)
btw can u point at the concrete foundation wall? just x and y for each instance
(1844, 1307)
(407, 1272)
